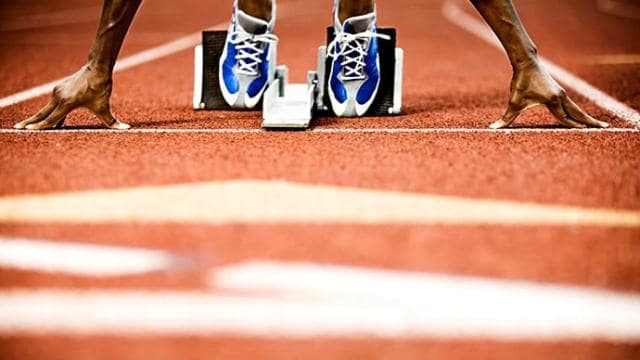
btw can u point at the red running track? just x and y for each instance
(452, 80)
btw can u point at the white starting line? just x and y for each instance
(320, 130)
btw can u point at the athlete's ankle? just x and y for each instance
(351, 8)
(261, 9)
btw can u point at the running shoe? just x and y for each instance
(355, 64)
(248, 60)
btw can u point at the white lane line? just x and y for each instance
(449, 306)
(142, 57)
(306, 300)
(81, 259)
(459, 17)
(621, 9)
(276, 202)
(323, 131)
(615, 59)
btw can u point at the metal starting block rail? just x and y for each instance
(293, 106)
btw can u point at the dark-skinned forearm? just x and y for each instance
(258, 8)
(116, 18)
(505, 23)
(349, 8)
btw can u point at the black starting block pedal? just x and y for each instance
(206, 86)
(294, 105)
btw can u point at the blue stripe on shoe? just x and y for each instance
(339, 91)
(230, 78)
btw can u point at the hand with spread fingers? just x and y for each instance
(84, 89)
(531, 84)
(90, 87)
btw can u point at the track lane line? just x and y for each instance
(312, 300)
(82, 259)
(452, 12)
(276, 202)
(620, 9)
(172, 47)
(322, 131)
(615, 59)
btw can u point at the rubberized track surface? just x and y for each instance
(455, 85)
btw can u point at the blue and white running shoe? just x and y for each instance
(248, 60)
(355, 64)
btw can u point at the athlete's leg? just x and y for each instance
(90, 87)
(259, 8)
(350, 8)
(248, 60)
(355, 64)
(531, 84)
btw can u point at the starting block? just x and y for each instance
(287, 105)
(293, 106)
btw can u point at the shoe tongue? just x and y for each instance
(251, 24)
(359, 23)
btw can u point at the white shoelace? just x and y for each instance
(353, 48)
(250, 50)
